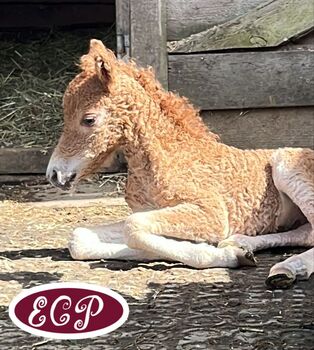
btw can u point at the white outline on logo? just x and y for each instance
(58, 285)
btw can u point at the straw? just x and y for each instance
(34, 71)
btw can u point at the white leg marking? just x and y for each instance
(104, 242)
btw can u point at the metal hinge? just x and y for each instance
(123, 46)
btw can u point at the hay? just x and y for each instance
(33, 75)
(113, 185)
(24, 226)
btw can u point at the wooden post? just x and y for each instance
(148, 36)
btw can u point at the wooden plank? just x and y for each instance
(123, 28)
(245, 79)
(12, 2)
(189, 17)
(23, 160)
(17, 179)
(148, 35)
(50, 15)
(268, 25)
(35, 161)
(264, 128)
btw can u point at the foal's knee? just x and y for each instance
(135, 226)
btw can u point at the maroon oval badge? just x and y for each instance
(68, 310)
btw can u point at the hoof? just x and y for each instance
(244, 254)
(246, 258)
(280, 281)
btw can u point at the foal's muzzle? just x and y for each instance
(61, 179)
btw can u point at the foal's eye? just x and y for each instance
(89, 120)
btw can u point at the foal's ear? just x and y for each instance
(102, 59)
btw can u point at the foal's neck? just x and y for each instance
(160, 129)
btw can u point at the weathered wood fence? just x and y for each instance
(247, 64)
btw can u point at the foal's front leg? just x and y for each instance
(104, 242)
(185, 224)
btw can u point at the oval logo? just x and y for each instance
(68, 310)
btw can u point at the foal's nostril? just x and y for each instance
(54, 176)
(72, 178)
(62, 180)
(68, 181)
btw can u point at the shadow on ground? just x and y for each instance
(57, 254)
(62, 254)
(29, 279)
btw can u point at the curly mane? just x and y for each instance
(174, 106)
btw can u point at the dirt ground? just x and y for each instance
(171, 306)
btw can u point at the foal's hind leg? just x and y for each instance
(280, 275)
(284, 273)
(300, 237)
(293, 174)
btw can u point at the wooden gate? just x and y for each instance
(248, 65)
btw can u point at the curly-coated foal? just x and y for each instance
(187, 190)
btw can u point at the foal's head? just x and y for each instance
(104, 107)
(97, 104)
